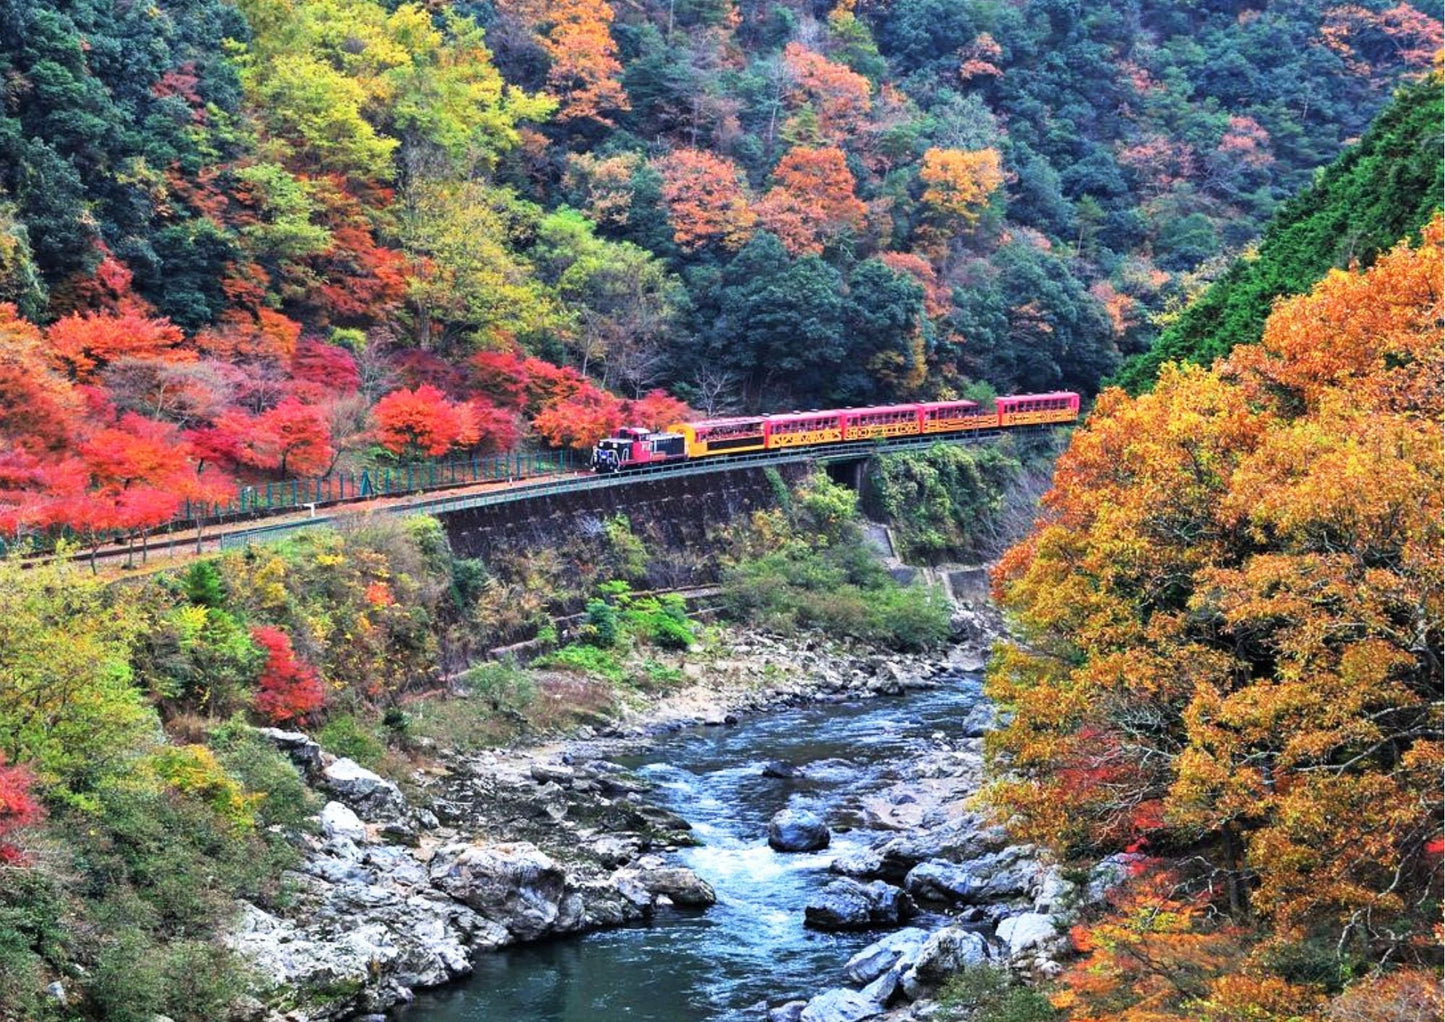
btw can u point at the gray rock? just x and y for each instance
(678, 883)
(304, 752)
(1055, 894)
(1025, 932)
(338, 821)
(993, 877)
(880, 956)
(369, 794)
(849, 905)
(840, 1006)
(941, 882)
(956, 840)
(780, 768)
(789, 1012)
(797, 830)
(944, 954)
(554, 773)
(515, 885)
(56, 992)
(862, 864)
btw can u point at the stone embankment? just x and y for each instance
(396, 894)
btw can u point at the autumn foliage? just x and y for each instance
(812, 201)
(706, 199)
(18, 808)
(1230, 632)
(289, 689)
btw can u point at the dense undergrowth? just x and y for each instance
(137, 801)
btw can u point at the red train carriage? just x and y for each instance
(953, 416)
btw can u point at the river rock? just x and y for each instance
(338, 821)
(371, 795)
(781, 769)
(945, 953)
(789, 1012)
(515, 885)
(797, 830)
(993, 877)
(880, 956)
(677, 883)
(553, 773)
(858, 864)
(849, 905)
(963, 838)
(840, 1006)
(1027, 931)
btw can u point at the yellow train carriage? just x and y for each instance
(1038, 409)
(804, 429)
(877, 423)
(723, 436)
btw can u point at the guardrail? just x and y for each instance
(577, 484)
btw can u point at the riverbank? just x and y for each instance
(396, 892)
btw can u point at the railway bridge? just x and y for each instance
(493, 509)
(689, 495)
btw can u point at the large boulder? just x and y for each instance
(880, 956)
(797, 830)
(946, 953)
(338, 821)
(678, 884)
(840, 1006)
(372, 796)
(957, 840)
(517, 885)
(1027, 932)
(849, 905)
(860, 864)
(1010, 873)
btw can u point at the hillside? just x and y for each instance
(1385, 188)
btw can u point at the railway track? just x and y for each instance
(158, 552)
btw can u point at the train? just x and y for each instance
(634, 447)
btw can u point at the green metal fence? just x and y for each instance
(386, 481)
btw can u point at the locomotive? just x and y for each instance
(634, 447)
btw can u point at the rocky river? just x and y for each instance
(799, 848)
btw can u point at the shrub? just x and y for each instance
(345, 735)
(503, 686)
(587, 660)
(289, 690)
(285, 800)
(987, 994)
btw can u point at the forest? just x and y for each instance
(260, 240)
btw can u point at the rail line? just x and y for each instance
(162, 551)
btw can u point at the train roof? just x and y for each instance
(734, 420)
(1036, 397)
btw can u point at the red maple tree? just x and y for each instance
(289, 689)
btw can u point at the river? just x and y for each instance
(751, 947)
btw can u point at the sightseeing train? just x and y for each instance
(634, 447)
